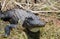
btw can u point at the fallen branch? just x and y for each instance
(3, 5)
(19, 4)
(44, 11)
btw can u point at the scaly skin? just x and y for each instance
(27, 20)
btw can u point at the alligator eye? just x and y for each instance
(29, 18)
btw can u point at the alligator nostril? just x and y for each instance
(42, 24)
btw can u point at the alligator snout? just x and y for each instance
(42, 23)
(38, 23)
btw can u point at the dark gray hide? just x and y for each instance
(27, 19)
